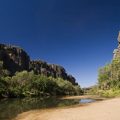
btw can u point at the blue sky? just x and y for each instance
(77, 34)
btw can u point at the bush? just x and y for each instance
(109, 79)
(24, 84)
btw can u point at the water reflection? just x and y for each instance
(9, 108)
(87, 100)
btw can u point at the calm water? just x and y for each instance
(10, 108)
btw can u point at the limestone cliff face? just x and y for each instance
(41, 67)
(116, 52)
(16, 59)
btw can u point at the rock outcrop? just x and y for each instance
(116, 52)
(41, 67)
(16, 59)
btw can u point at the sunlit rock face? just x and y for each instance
(116, 52)
(56, 71)
(16, 59)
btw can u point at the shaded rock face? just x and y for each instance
(72, 79)
(16, 59)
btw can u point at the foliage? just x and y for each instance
(109, 79)
(93, 90)
(24, 84)
(3, 72)
(109, 93)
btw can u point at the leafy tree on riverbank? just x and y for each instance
(109, 78)
(24, 84)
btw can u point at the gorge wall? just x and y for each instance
(116, 51)
(16, 59)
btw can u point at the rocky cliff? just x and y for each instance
(16, 59)
(116, 52)
(41, 67)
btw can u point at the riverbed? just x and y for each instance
(10, 108)
(103, 110)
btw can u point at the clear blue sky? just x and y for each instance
(77, 34)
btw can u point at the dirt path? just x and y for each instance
(103, 110)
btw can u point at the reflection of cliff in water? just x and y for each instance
(10, 108)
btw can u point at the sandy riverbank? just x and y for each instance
(103, 110)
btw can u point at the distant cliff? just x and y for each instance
(16, 59)
(41, 67)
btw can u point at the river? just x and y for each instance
(10, 108)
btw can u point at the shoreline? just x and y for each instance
(84, 97)
(107, 109)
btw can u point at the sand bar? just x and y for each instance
(102, 110)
